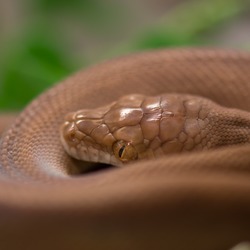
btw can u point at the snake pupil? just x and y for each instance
(121, 151)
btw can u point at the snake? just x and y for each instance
(138, 127)
(175, 124)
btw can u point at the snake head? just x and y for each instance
(134, 127)
(111, 134)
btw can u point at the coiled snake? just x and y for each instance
(191, 200)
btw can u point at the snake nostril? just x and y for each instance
(69, 132)
(72, 136)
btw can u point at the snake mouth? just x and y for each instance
(82, 146)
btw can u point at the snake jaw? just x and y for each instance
(80, 145)
(78, 149)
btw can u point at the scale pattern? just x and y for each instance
(198, 200)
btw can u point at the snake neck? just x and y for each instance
(207, 125)
(226, 127)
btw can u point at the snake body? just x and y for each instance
(196, 200)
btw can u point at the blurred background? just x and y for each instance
(43, 41)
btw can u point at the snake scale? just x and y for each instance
(192, 200)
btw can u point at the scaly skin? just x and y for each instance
(154, 126)
(198, 200)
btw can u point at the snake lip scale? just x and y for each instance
(195, 200)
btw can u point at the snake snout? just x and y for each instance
(86, 138)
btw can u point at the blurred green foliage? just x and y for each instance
(187, 24)
(203, 17)
(39, 56)
(30, 68)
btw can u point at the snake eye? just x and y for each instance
(124, 151)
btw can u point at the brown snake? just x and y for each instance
(195, 200)
(147, 127)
